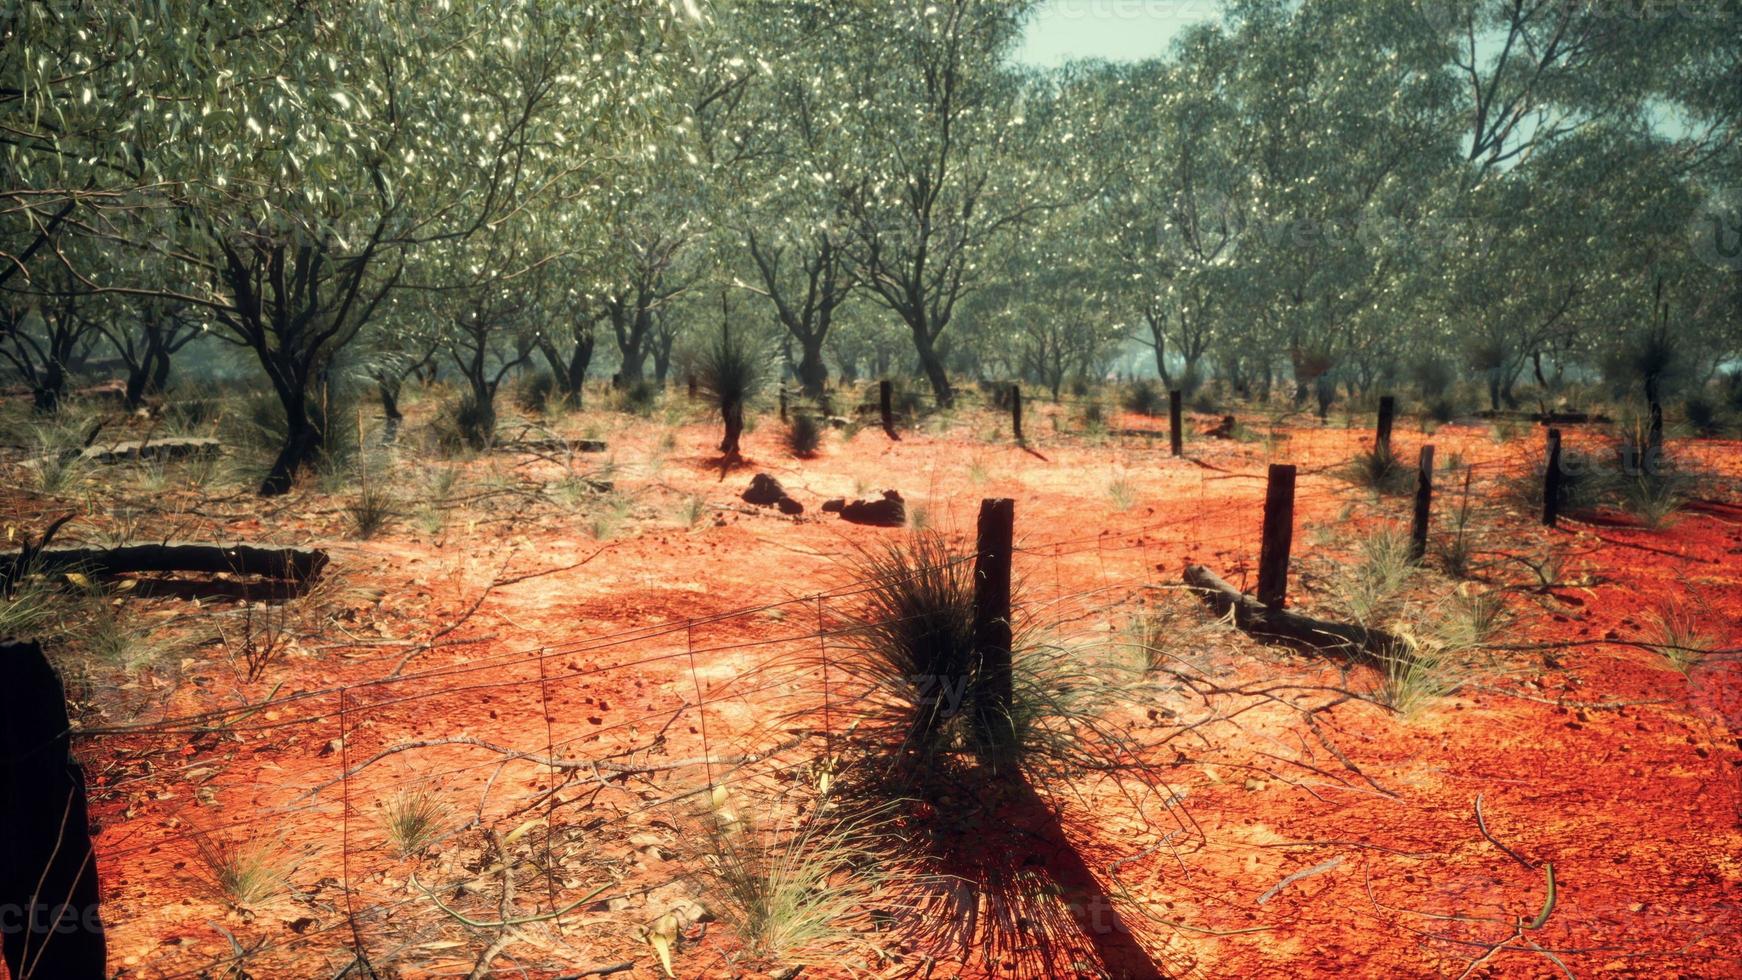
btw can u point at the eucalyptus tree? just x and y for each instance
(774, 114)
(302, 157)
(1176, 193)
(935, 116)
(146, 335)
(46, 328)
(1348, 140)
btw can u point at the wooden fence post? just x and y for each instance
(1382, 433)
(1551, 480)
(1016, 410)
(783, 403)
(692, 382)
(51, 926)
(1424, 496)
(886, 407)
(1278, 536)
(995, 543)
(1175, 438)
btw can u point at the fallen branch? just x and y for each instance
(1482, 825)
(238, 559)
(126, 452)
(1371, 647)
(1317, 869)
(509, 754)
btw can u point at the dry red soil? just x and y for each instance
(1274, 842)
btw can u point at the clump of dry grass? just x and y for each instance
(798, 892)
(414, 818)
(1674, 634)
(245, 874)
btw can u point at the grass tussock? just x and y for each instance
(797, 892)
(414, 819)
(1380, 471)
(935, 714)
(1673, 633)
(804, 435)
(245, 874)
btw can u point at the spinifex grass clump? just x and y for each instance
(1379, 470)
(804, 435)
(414, 818)
(916, 639)
(796, 891)
(935, 716)
(245, 874)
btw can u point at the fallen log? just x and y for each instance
(552, 446)
(237, 559)
(1357, 643)
(124, 452)
(1544, 418)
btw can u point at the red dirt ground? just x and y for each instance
(1595, 756)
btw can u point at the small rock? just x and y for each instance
(789, 506)
(890, 511)
(764, 491)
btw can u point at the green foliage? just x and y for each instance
(1146, 398)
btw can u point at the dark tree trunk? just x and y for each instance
(302, 442)
(138, 377)
(733, 417)
(813, 374)
(933, 366)
(389, 390)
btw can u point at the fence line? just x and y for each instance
(355, 715)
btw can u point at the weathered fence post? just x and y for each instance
(1424, 496)
(692, 383)
(1016, 410)
(1551, 480)
(783, 403)
(886, 407)
(1278, 536)
(1175, 438)
(995, 543)
(1382, 432)
(49, 918)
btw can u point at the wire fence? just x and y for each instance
(575, 745)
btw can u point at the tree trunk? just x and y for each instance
(933, 367)
(813, 374)
(302, 440)
(389, 390)
(733, 416)
(160, 374)
(138, 377)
